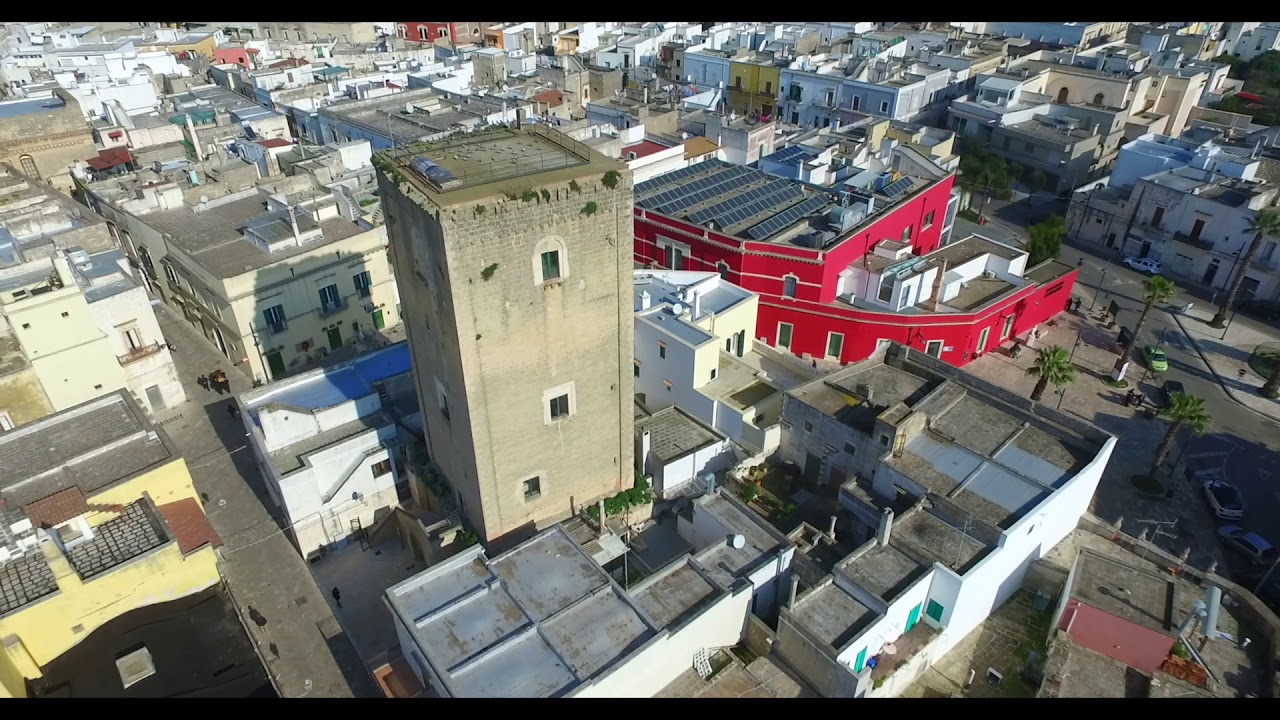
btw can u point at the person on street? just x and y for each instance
(203, 381)
(233, 411)
(337, 598)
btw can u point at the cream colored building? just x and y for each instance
(274, 281)
(514, 252)
(47, 313)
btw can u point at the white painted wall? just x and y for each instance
(653, 667)
(670, 477)
(117, 314)
(890, 626)
(656, 164)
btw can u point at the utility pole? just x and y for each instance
(1132, 217)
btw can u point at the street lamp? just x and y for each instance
(1101, 281)
(1227, 327)
(1061, 393)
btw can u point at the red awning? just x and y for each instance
(113, 157)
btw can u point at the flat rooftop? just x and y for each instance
(674, 593)
(473, 166)
(332, 386)
(673, 434)
(197, 645)
(18, 108)
(723, 563)
(214, 238)
(513, 626)
(931, 539)
(843, 395)
(665, 286)
(832, 615)
(883, 570)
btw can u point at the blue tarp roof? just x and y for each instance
(327, 71)
(347, 382)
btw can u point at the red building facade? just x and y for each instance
(426, 31)
(814, 311)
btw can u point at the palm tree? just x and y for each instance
(1052, 366)
(1158, 290)
(1183, 410)
(1266, 222)
(985, 173)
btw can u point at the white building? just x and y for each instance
(327, 441)
(694, 349)
(543, 620)
(952, 510)
(675, 451)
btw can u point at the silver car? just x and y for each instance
(1224, 500)
(1143, 265)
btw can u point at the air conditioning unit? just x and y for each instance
(988, 274)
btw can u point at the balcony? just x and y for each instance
(327, 309)
(1195, 242)
(138, 353)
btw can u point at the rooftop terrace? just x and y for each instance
(476, 165)
(512, 626)
(328, 387)
(674, 433)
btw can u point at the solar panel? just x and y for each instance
(690, 196)
(897, 187)
(431, 171)
(778, 188)
(674, 175)
(788, 154)
(787, 218)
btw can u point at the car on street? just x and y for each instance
(1168, 390)
(1143, 265)
(1262, 309)
(1224, 499)
(1156, 360)
(1252, 546)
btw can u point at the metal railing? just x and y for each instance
(138, 353)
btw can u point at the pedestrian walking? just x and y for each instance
(203, 381)
(233, 411)
(337, 598)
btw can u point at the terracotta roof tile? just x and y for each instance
(57, 508)
(189, 525)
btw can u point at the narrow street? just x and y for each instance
(306, 652)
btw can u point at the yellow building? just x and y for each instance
(98, 518)
(754, 84)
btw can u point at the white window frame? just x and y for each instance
(884, 106)
(555, 392)
(791, 335)
(6, 421)
(983, 337)
(422, 33)
(830, 335)
(941, 345)
(666, 245)
(1006, 330)
(795, 287)
(549, 244)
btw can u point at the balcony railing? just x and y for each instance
(1196, 242)
(139, 353)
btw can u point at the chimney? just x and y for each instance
(519, 117)
(885, 529)
(831, 529)
(646, 300)
(935, 297)
(697, 304)
(195, 139)
(646, 442)
(795, 585)
(600, 507)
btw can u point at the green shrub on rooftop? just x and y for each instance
(640, 494)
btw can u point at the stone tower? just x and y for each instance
(513, 253)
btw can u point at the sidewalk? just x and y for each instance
(1228, 357)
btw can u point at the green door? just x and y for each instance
(275, 364)
(378, 321)
(335, 338)
(913, 618)
(860, 661)
(934, 611)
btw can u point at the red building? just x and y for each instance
(839, 272)
(461, 33)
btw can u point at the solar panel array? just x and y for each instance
(897, 187)
(788, 154)
(732, 210)
(787, 218)
(667, 178)
(698, 191)
(431, 171)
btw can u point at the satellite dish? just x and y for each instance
(204, 198)
(738, 542)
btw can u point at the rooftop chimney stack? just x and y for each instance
(831, 529)
(885, 529)
(795, 585)
(646, 300)
(600, 507)
(697, 304)
(646, 442)
(519, 117)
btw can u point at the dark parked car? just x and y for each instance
(1262, 309)
(1168, 390)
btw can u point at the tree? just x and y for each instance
(1052, 366)
(983, 172)
(1045, 241)
(1157, 290)
(1265, 222)
(1183, 411)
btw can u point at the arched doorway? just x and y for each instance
(1097, 99)
(29, 167)
(1062, 96)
